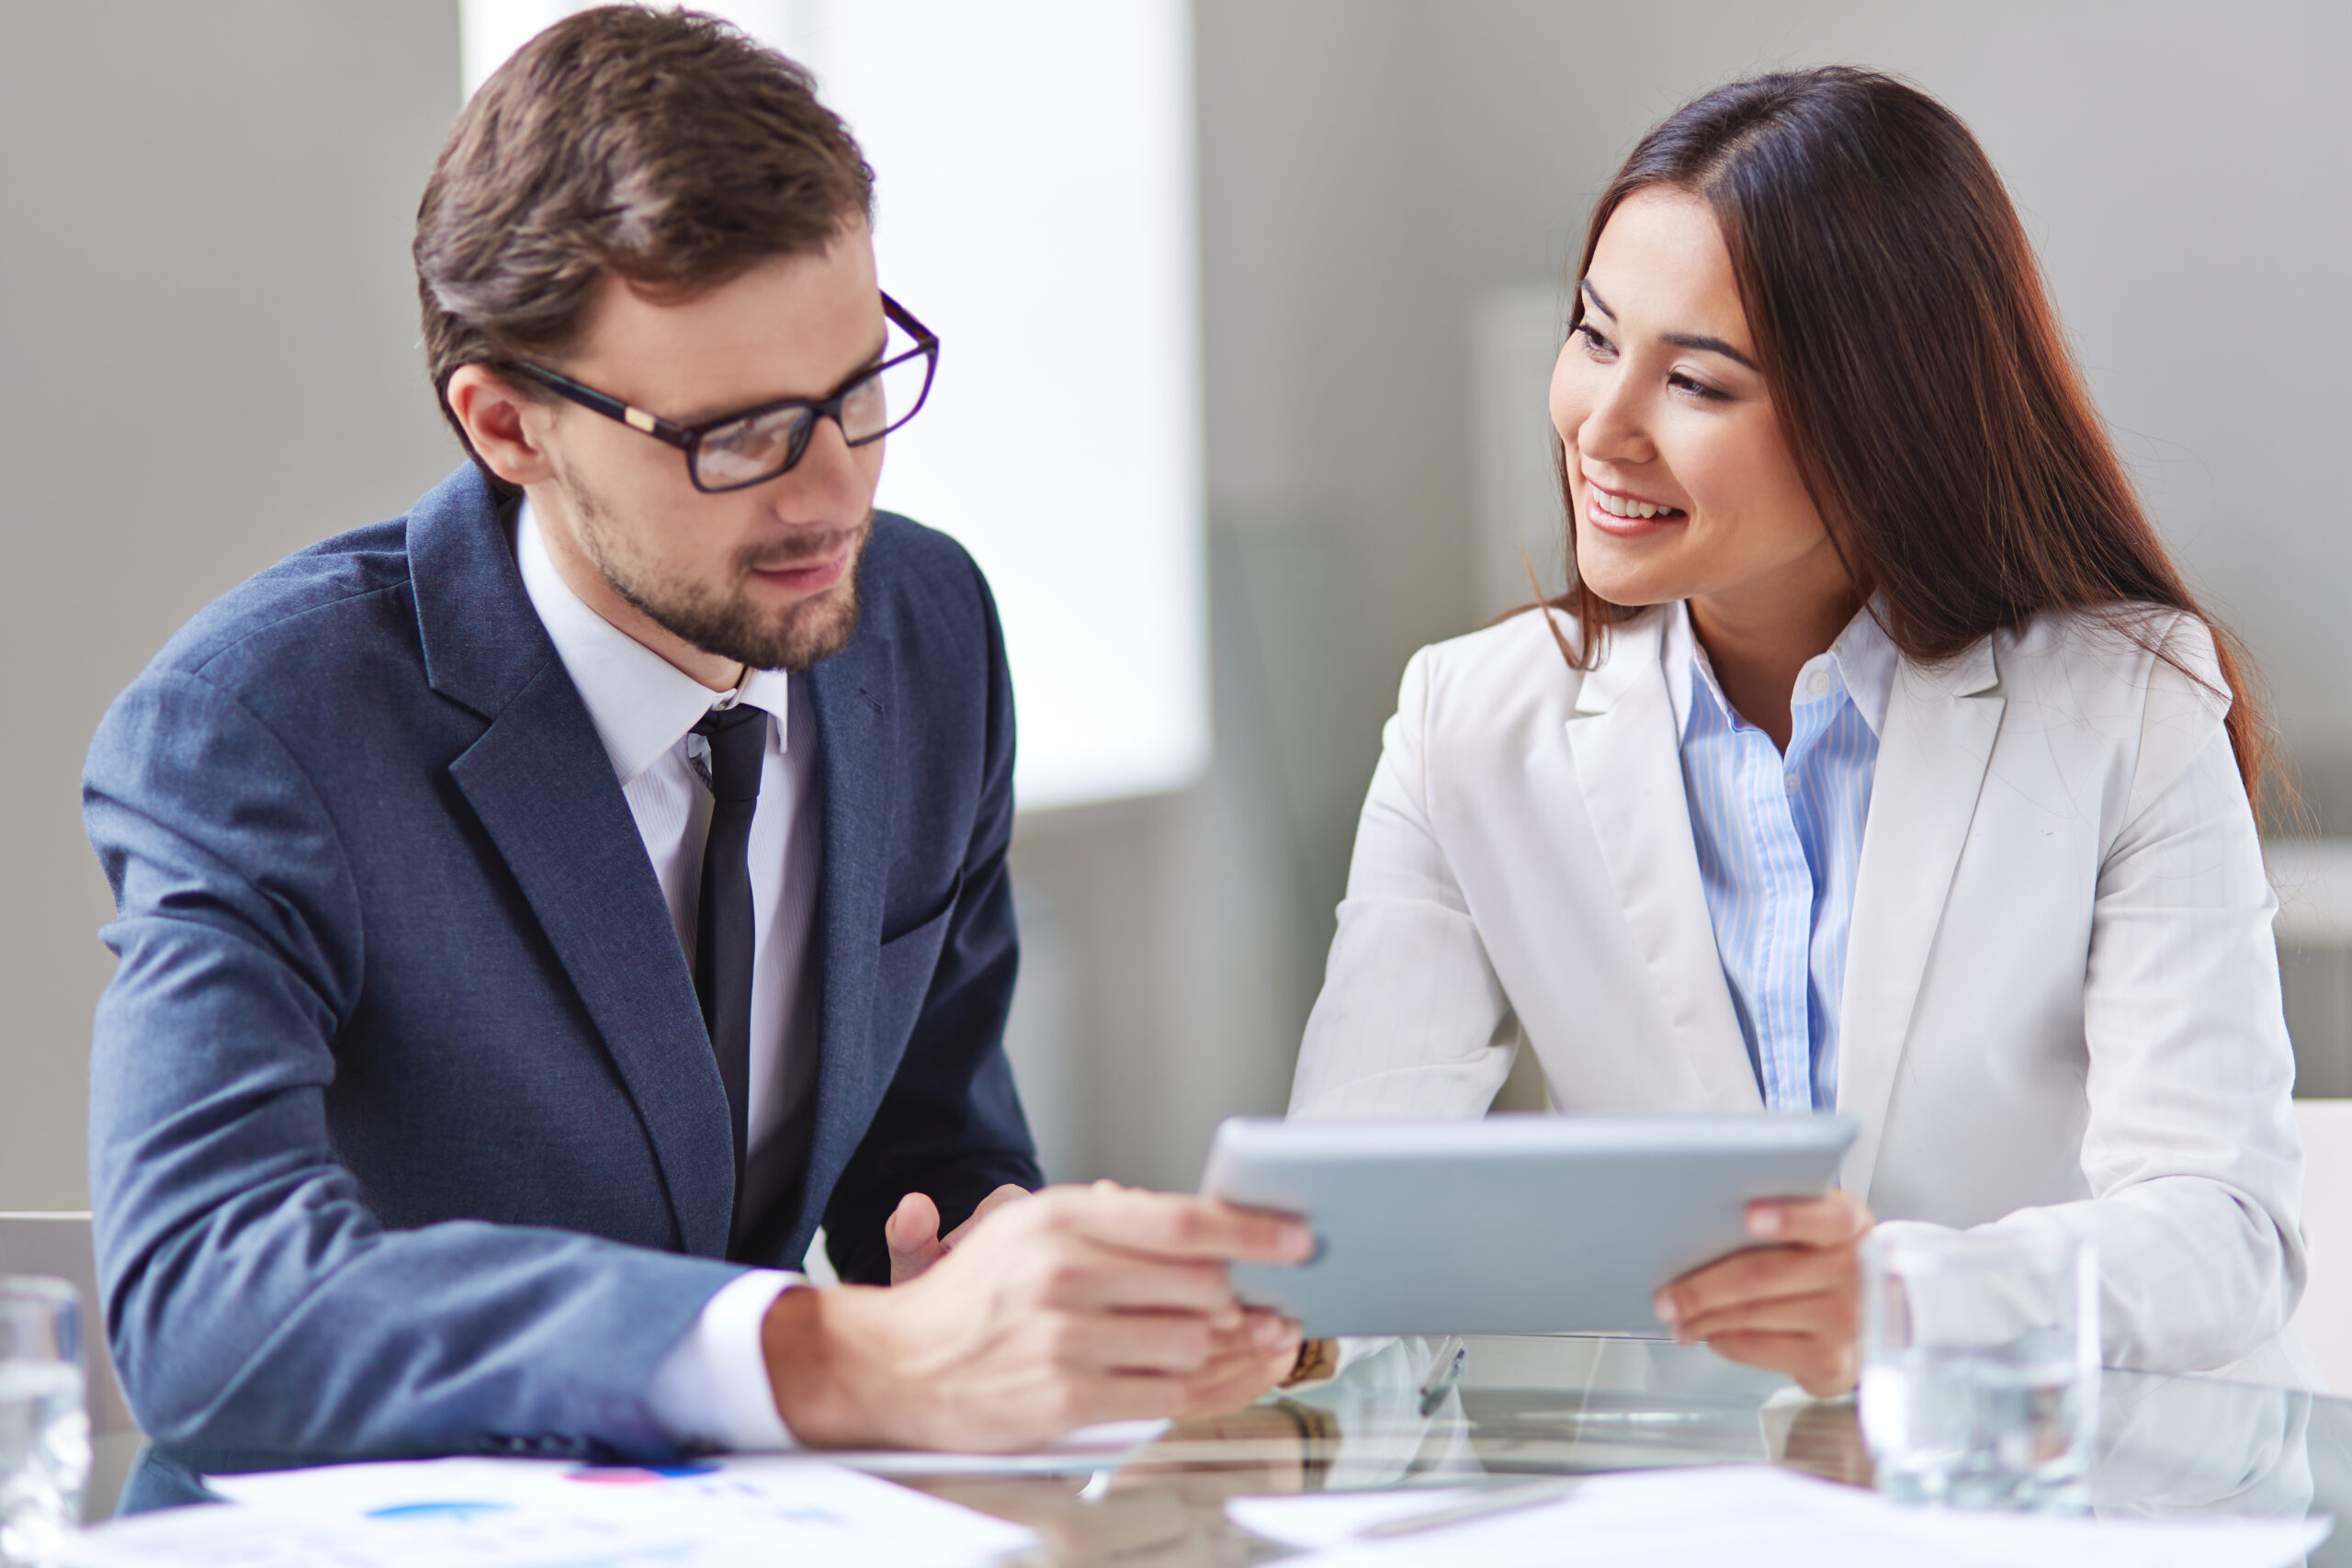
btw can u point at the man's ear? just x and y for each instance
(507, 429)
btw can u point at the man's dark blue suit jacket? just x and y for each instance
(405, 1134)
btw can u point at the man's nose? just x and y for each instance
(828, 480)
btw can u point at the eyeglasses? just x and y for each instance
(738, 450)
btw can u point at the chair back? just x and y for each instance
(2324, 1320)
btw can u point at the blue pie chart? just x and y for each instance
(456, 1512)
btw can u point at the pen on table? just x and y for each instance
(1444, 1371)
(1501, 1500)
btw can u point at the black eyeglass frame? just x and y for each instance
(688, 438)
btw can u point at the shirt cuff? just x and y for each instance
(711, 1390)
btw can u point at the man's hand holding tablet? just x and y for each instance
(1076, 1305)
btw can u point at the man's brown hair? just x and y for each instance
(663, 147)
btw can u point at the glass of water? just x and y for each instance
(1980, 1366)
(44, 1432)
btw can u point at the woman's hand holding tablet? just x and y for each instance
(1793, 1305)
(1515, 1224)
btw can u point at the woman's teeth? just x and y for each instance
(1619, 506)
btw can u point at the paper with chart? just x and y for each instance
(472, 1513)
(1758, 1516)
(1088, 1449)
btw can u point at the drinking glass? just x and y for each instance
(1980, 1366)
(44, 1432)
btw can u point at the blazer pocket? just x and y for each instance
(931, 924)
(904, 971)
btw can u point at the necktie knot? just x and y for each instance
(738, 739)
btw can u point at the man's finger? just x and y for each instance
(1128, 1395)
(911, 1236)
(1133, 1342)
(997, 1199)
(1089, 1277)
(1231, 1381)
(1834, 1219)
(1175, 1225)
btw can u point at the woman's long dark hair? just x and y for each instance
(1924, 387)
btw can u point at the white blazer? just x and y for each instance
(2061, 995)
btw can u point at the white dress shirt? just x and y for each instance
(712, 1388)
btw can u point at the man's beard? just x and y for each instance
(806, 632)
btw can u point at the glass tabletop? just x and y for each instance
(2167, 1446)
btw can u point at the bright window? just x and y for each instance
(1034, 199)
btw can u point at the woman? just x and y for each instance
(1879, 760)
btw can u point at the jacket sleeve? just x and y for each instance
(253, 1302)
(2189, 1150)
(1412, 1019)
(950, 1125)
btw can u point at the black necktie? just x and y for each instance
(738, 738)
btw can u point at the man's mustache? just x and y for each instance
(794, 550)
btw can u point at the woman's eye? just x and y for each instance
(1683, 383)
(1594, 343)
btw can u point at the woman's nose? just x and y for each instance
(1613, 429)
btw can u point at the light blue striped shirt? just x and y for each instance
(1779, 838)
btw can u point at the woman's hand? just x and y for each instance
(1791, 1304)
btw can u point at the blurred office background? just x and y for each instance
(207, 326)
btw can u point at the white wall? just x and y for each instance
(208, 358)
(1033, 207)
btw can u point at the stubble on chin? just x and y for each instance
(793, 638)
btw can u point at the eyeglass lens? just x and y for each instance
(765, 445)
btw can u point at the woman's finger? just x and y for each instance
(1834, 1219)
(1758, 1274)
(1828, 1314)
(1824, 1370)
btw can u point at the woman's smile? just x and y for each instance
(1626, 516)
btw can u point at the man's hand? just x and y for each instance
(1243, 1363)
(1244, 1360)
(1073, 1307)
(1791, 1305)
(911, 1233)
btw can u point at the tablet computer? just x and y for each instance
(1508, 1225)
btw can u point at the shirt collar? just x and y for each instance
(1866, 660)
(1863, 660)
(641, 702)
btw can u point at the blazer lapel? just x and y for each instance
(1629, 763)
(850, 693)
(1941, 725)
(541, 784)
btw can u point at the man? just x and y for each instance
(537, 910)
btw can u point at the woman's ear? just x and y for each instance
(507, 430)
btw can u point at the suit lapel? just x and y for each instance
(1629, 764)
(541, 784)
(1941, 725)
(850, 693)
